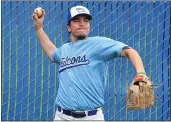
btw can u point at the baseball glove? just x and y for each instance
(140, 93)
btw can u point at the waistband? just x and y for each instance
(77, 114)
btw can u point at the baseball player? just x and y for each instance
(82, 72)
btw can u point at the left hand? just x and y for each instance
(140, 93)
(142, 77)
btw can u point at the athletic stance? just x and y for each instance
(82, 72)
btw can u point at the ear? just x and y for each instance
(68, 28)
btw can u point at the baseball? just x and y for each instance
(38, 11)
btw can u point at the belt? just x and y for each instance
(77, 114)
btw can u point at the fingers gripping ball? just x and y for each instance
(140, 93)
(39, 12)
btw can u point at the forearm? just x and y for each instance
(135, 59)
(47, 45)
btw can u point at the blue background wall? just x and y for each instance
(29, 80)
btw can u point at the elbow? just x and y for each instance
(50, 56)
(51, 59)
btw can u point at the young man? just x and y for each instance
(82, 73)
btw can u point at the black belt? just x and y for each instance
(77, 114)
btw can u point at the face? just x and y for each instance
(79, 27)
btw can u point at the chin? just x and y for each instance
(80, 37)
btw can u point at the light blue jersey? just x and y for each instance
(83, 71)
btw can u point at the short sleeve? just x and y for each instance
(56, 56)
(110, 48)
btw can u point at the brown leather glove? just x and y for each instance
(140, 93)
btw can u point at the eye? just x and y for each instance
(76, 20)
(86, 20)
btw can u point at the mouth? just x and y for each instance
(81, 29)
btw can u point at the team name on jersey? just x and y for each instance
(68, 62)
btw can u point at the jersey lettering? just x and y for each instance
(67, 62)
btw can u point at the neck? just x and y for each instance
(74, 39)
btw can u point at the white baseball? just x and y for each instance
(38, 11)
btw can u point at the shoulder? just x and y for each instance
(65, 45)
(62, 47)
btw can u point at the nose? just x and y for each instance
(81, 22)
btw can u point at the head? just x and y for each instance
(79, 22)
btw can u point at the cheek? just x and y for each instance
(73, 29)
(87, 30)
